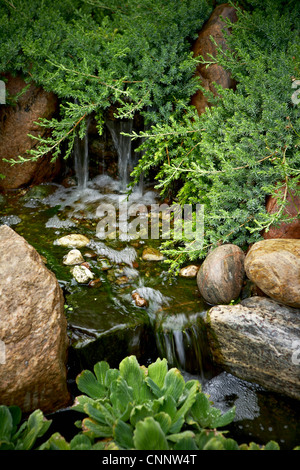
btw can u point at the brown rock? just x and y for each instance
(33, 329)
(189, 271)
(204, 46)
(285, 230)
(220, 277)
(274, 266)
(16, 122)
(139, 301)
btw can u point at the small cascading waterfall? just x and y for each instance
(185, 347)
(81, 158)
(123, 146)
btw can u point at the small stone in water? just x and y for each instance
(152, 254)
(139, 301)
(95, 283)
(73, 257)
(82, 274)
(189, 271)
(74, 240)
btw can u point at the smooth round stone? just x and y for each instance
(73, 257)
(152, 254)
(221, 276)
(189, 271)
(74, 240)
(82, 274)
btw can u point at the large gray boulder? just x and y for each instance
(258, 340)
(33, 329)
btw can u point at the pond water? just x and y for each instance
(104, 322)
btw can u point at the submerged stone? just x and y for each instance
(152, 254)
(82, 274)
(73, 257)
(74, 240)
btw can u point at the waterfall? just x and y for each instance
(123, 146)
(81, 158)
(185, 346)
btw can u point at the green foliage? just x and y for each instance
(14, 436)
(94, 54)
(245, 147)
(141, 408)
(131, 408)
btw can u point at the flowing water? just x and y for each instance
(104, 322)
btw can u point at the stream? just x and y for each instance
(104, 322)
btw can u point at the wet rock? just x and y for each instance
(189, 271)
(122, 280)
(33, 329)
(258, 340)
(16, 123)
(204, 46)
(95, 283)
(274, 266)
(105, 265)
(74, 240)
(139, 301)
(221, 275)
(82, 274)
(73, 257)
(152, 254)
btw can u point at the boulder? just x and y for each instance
(204, 46)
(221, 275)
(292, 209)
(274, 266)
(16, 122)
(33, 329)
(258, 341)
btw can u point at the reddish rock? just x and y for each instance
(285, 230)
(16, 122)
(33, 329)
(220, 277)
(204, 46)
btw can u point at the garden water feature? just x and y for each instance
(104, 323)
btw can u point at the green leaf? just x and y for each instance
(101, 369)
(123, 435)
(94, 430)
(55, 442)
(6, 424)
(131, 371)
(271, 445)
(148, 435)
(80, 442)
(174, 384)
(164, 421)
(88, 384)
(140, 412)
(121, 394)
(157, 371)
